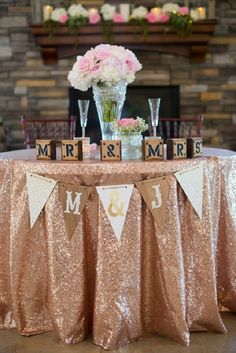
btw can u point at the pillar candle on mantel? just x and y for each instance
(202, 13)
(156, 11)
(125, 11)
(47, 11)
(93, 11)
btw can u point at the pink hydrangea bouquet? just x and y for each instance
(130, 125)
(104, 65)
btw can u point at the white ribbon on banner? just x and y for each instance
(191, 181)
(39, 190)
(115, 200)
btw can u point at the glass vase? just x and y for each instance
(109, 100)
(131, 145)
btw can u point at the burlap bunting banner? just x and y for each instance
(155, 193)
(115, 200)
(39, 190)
(73, 199)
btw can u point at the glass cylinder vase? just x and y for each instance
(109, 100)
(131, 145)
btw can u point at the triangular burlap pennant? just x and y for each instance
(73, 199)
(39, 190)
(191, 181)
(115, 200)
(155, 193)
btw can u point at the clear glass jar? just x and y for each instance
(131, 145)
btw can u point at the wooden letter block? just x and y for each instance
(194, 147)
(176, 148)
(45, 149)
(152, 149)
(71, 150)
(110, 150)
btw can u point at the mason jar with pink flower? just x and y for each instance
(129, 131)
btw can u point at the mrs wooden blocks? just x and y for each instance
(110, 150)
(45, 149)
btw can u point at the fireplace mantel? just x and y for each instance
(63, 44)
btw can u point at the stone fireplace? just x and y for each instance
(28, 86)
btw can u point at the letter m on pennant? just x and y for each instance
(72, 206)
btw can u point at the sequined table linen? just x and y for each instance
(151, 281)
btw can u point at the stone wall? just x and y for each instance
(27, 85)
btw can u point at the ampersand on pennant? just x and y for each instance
(114, 205)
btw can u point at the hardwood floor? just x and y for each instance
(12, 342)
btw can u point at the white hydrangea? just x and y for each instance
(139, 13)
(170, 7)
(107, 11)
(194, 14)
(77, 10)
(108, 74)
(57, 13)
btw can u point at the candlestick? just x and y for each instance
(125, 11)
(47, 11)
(202, 13)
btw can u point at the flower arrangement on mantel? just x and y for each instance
(75, 16)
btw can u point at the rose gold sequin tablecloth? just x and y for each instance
(166, 282)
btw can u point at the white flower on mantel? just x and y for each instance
(139, 13)
(107, 11)
(77, 11)
(57, 13)
(170, 7)
(194, 15)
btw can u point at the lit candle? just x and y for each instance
(202, 13)
(125, 11)
(93, 11)
(47, 11)
(156, 11)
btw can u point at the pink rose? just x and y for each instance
(102, 51)
(131, 62)
(151, 17)
(164, 18)
(184, 10)
(63, 19)
(94, 18)
(87, 62)
(127, 122)
(118, 18)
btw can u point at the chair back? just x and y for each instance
(180, 127)
(36, 129)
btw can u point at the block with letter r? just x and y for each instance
(45, 149)
(71, 150)
(152, 149)
(176, 148)
(110, 150)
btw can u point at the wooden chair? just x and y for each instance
(34, 129)
(179, 127)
